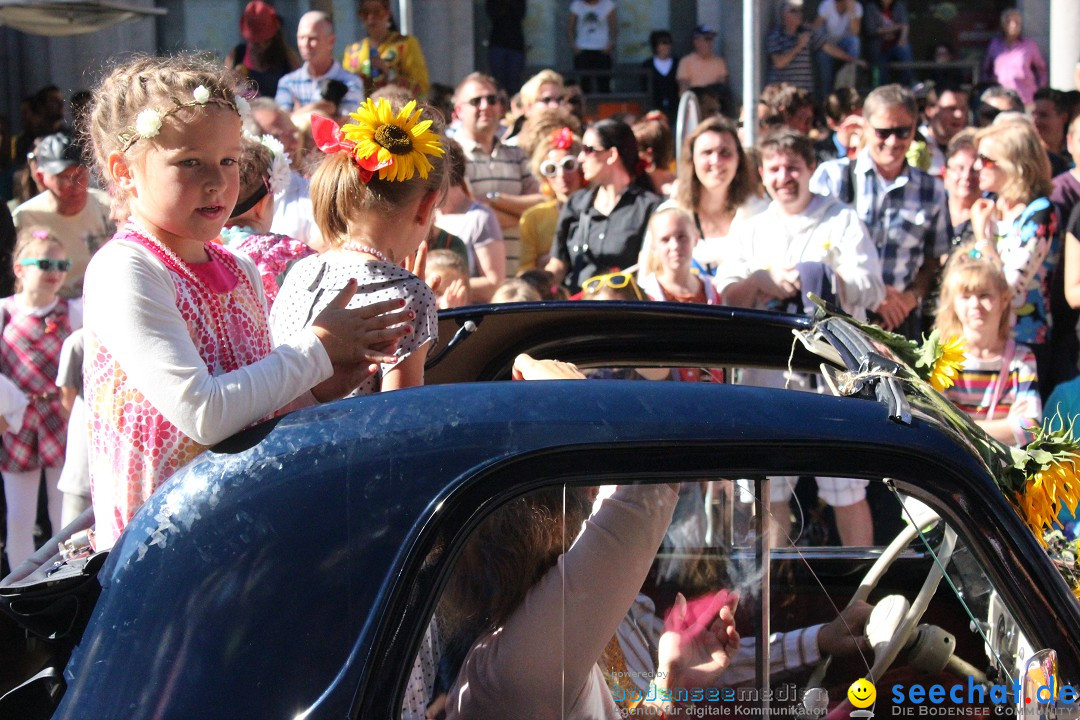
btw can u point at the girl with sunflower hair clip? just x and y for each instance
(373, 198)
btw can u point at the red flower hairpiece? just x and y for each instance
(561, 139)
(329, 139)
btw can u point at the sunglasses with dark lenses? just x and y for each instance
(985, 161)
(550, 100)
(47, 264)
(901, 133)
(550, 168)
(615, 281)
(477, 101)
(589, 149)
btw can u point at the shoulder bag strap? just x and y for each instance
(1002, 378)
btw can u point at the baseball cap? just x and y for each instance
(259, 22)
(704, 31)
(56, 153)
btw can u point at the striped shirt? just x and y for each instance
(908, 218)
(974, 389)
(504, 170)
(300, 88)
(798, 72)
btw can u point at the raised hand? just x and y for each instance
(698, 644)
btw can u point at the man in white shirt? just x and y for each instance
(777, 253)
(292, 209)
(73, 213)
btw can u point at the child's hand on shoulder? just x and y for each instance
(368, 334)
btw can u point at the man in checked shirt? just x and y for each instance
(903, 207)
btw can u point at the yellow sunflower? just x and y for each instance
(947, 366)
(400, 143)
(1046, 492)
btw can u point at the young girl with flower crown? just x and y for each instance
(997, 385)
(178, 349)
(35, 322)
(374, 198)
(264, 174)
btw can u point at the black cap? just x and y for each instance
(56, 153)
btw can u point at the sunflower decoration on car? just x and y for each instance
(1039, 480)
(394, 145)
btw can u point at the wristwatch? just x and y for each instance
(493, 196)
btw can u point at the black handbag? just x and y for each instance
(52, 594)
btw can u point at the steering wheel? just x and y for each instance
(885, 654)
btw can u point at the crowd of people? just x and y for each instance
(208, 246)
(951, 207)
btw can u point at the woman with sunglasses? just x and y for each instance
(35, 321)
(601, 228)
(1018, 227)
(717, 186)
(555, 165)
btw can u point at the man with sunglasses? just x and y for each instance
(904, 208)
(69, 209)
(498, 173)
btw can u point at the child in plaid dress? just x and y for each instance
(36, 321)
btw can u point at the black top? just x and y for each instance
(591, 243)
(7, 246)
(665, 88)
(506, 18)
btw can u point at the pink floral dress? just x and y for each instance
(133, 448)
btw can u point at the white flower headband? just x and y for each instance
(280, 170)
(148, 122)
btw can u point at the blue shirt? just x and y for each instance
(300, 88)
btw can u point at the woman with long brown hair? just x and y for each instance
(718, 185)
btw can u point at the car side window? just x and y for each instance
(583, 599)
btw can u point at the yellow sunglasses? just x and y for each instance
(615, 281)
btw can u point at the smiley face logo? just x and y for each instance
(862, 693)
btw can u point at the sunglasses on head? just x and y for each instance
(615, 281)
(479, 100)
(901, 133)
(550, 168)
(47, 264)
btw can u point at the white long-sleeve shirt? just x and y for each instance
(826, 231)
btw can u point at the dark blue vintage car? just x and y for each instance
(295, 570)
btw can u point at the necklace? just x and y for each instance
(356, 247)
(212, 302)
